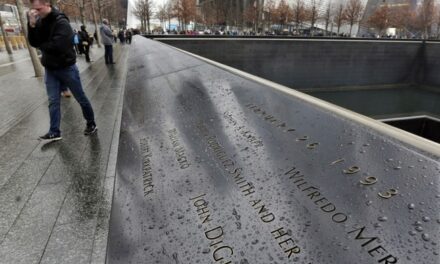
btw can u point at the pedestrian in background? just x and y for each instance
(75, 41)
(107, 41)
(50, 31)
(121, 36)
(128, 36)
(85, 42)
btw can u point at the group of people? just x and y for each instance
(49, 30)
(124, 36)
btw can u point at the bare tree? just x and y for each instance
(161, 14)
(353, 12)
(185, 11)
(250, 15)
(437, 21)
(210, 14)
(339, 17)
(270, 12)
(299, 13)
(95, 22)
(259, 6)
(223, 8)
(143, 9)
(283, 13)
(169, 13)
(312, 14)
(328, 16)
(403, 18)
(380, 19)
(426, 17)
(110, 9)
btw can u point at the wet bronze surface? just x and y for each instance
(215, 168)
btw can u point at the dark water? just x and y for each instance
(386, 102)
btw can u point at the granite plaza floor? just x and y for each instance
(56, 198)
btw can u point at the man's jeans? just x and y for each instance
(108, 54)
(67, 77)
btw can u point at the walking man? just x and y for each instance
(107, 41)
(50, 31)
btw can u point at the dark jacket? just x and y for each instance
(53, 35)
(84, 35)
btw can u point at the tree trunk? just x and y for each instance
(98, 38)
(5, 37)
(81, 12)
(100, 11)
(32, 52)
(148, 24)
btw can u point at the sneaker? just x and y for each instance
(90, 130)
(66, 94)
(50, 137)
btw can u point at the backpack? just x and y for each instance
(75, 39)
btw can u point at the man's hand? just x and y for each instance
(32, 17)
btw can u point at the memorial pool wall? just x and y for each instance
(323, 63)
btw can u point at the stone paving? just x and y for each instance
(56, 198)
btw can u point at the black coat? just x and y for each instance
(84, 36)
(53, 35)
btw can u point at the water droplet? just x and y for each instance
(411, 206)
(412, 233)
(426, 219)
(425, 237)
(390, 159)
(382, 218)
(419, 228)
(397, 168)
(369, 202)
(377, 225)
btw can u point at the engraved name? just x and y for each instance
(374, 250)
(315, 195)
(215, 235)
(243, 131)
(248, 191)
(269, 118)
(147, 174)
(178, 149)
